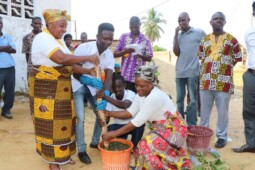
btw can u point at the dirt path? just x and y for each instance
(17, 146)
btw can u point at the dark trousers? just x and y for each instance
(7, 80)
(130, 86)
(137, 133)
(249, 108)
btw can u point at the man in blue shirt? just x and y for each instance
(7, 71)
(186, 42)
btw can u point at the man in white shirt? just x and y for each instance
(249, 94)
(88, 85)
(120, 100)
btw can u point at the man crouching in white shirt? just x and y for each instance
(120, 100)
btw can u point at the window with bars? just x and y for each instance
(17, 8)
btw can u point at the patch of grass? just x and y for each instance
(157, 48)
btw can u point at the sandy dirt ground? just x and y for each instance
(17, 145)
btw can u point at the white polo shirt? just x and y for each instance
(128, 95)
(106, 62)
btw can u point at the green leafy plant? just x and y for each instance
(117, 146)
(157, 48)
(212, 163)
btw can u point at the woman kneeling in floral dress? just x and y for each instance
(161, 148)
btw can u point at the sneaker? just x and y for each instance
(84, 157)
(7, 115)
(93, 146)
(220, 143)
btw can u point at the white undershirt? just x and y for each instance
(128, 95)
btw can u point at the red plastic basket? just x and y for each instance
(199, 139)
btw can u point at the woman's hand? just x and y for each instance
(108, 135)
(94, 59)
(107, 113)
(92, 72)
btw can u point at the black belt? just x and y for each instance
(251, 71)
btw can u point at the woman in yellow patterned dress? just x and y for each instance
(50, 91)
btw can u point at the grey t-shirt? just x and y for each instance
(187, 64)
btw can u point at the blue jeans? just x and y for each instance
(80, 113)
(137, 133)
(191, 83)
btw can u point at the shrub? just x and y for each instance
(157, 48)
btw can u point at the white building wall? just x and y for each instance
(18, 27)
(41, 5)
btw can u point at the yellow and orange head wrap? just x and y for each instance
(53, 15)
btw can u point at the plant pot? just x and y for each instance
(116, 160)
